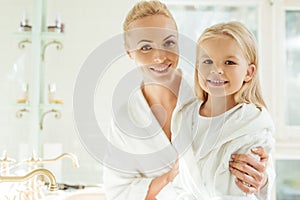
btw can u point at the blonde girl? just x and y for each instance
(231, 114)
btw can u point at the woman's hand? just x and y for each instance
(160, 182)
(250, 172)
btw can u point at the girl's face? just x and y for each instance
(222, 67)
(152, 43)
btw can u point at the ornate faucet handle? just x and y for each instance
(71, 156)
(5, 161)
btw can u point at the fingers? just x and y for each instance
(250, 172)
(249, 160)
(261, 153)
(247, 174)
(244, 187)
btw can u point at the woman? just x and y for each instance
(151, 40)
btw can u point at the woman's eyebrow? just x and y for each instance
(144, 41)
(169, 37)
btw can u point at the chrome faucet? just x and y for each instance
(57, 116)
(40, 171)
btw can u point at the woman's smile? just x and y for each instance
(160, 68)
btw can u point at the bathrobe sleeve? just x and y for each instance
(241, 131)
(121, 186)
(244, 145)
(132, 184)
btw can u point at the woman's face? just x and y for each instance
(152, 42)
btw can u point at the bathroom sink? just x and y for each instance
(89, 193)
(87, 196)
(93, 193)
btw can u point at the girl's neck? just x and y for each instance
(215, 106)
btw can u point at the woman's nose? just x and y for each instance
(159, 55)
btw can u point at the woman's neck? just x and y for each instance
(162, 99)
(215, 106)
(162, 92)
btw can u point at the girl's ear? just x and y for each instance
(250, 72)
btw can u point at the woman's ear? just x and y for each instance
(129, 54)
(250, 72)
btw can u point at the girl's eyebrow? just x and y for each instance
(144, 41)
(233, 57)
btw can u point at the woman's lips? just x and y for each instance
(160, 68)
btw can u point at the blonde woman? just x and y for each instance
(151, 41)
(231, 115)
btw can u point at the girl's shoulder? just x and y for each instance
(250, 113)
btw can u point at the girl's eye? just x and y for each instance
(208, 62)
(229, 62)
(146, 48)
(169, 43)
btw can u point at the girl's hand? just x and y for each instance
(250, 172)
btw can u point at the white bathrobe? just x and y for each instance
(128, 175)
(236, 131)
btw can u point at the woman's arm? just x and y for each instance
(158, 183)
(252, 173)
(121, 186)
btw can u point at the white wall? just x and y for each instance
(87, 25)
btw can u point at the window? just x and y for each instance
(288, 179)
(292, 63)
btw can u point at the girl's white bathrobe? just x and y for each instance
(236, 131)
(143, 150)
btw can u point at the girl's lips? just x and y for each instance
(217, 82)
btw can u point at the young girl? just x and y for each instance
(231, 115)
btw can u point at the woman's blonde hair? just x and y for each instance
(144, 9)
(250, 91)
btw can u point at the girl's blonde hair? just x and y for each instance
(250, 91)
(144, 9)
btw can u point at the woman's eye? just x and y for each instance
(146, 48)
(208, 62)
(169, 43)
(229, 62)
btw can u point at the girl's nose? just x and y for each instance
(216, 70)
